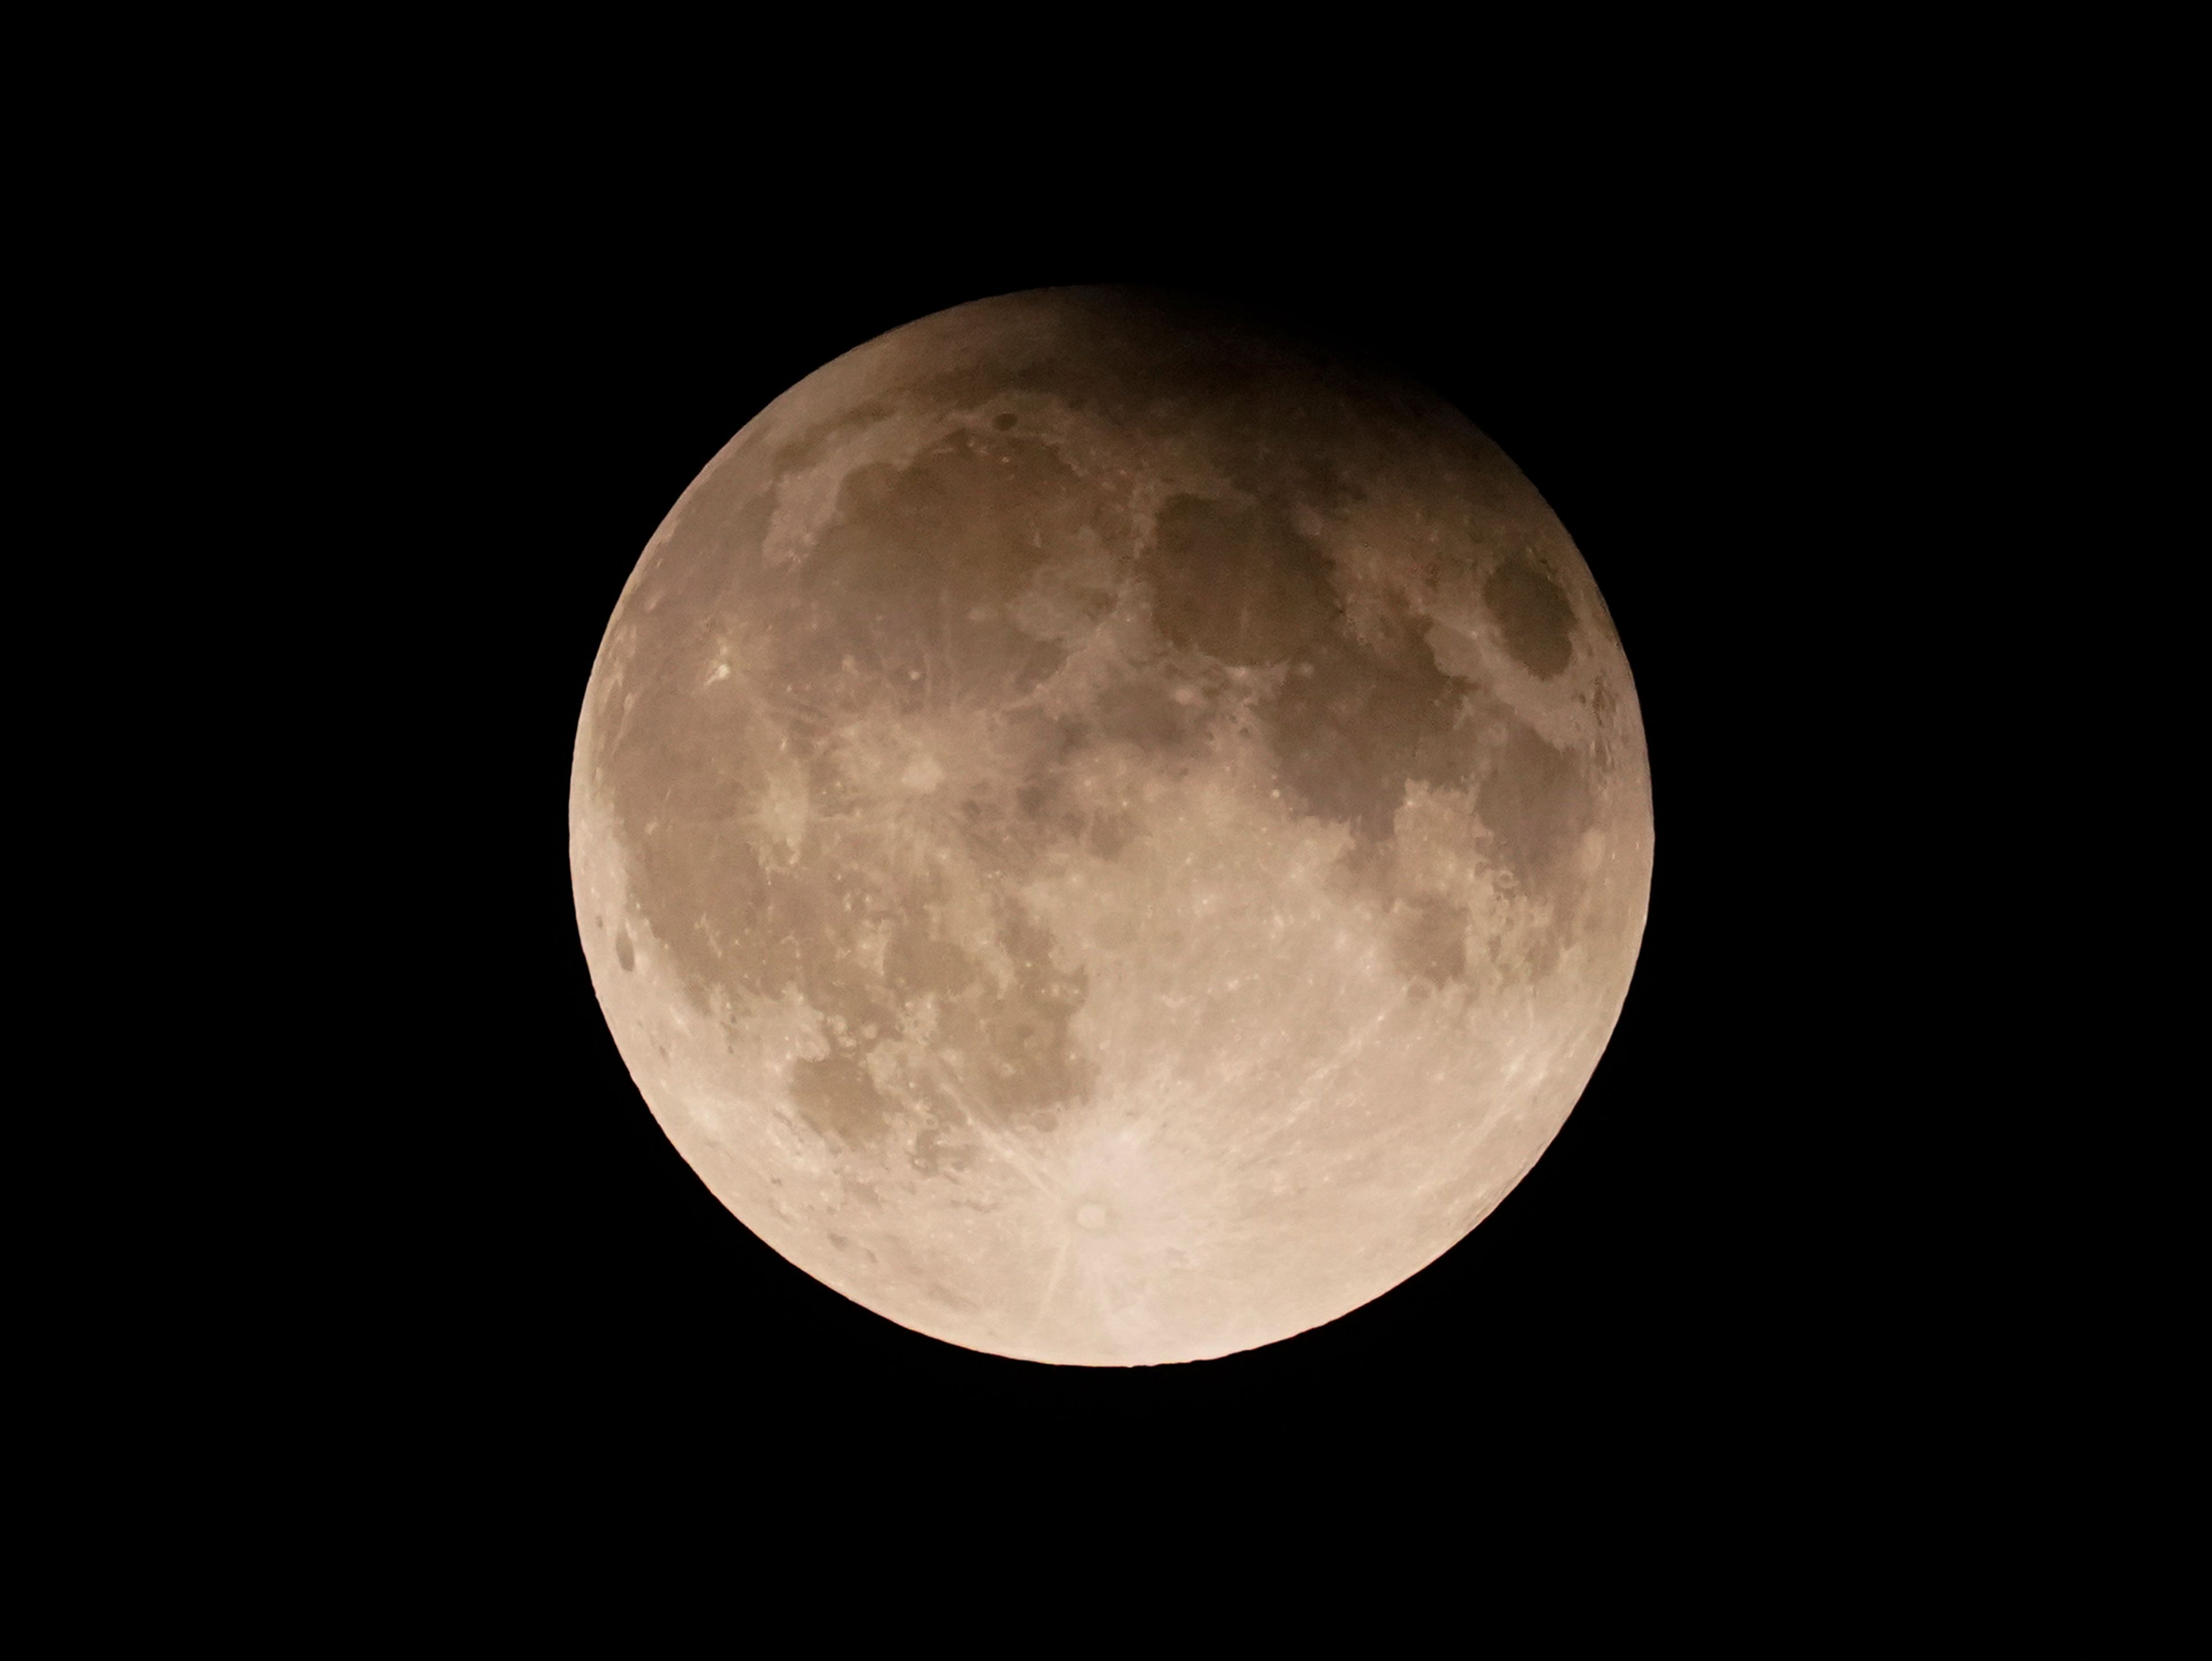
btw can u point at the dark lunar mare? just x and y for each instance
(904, 605)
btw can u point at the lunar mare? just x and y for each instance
(1107, 836)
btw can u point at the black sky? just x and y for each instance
(1667, 378)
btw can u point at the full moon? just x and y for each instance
(1109, 835)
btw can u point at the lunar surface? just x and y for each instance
(1107, 836)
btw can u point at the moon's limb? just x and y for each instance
(1106, 836)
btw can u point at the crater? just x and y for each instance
(1533, 614)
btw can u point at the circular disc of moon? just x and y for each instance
(1106, 835)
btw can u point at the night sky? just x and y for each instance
(557, 1271)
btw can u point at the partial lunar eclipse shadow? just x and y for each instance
(1107, 835)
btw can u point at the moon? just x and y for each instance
(1107, 834)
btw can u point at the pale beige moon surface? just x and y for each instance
(1106, 836)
